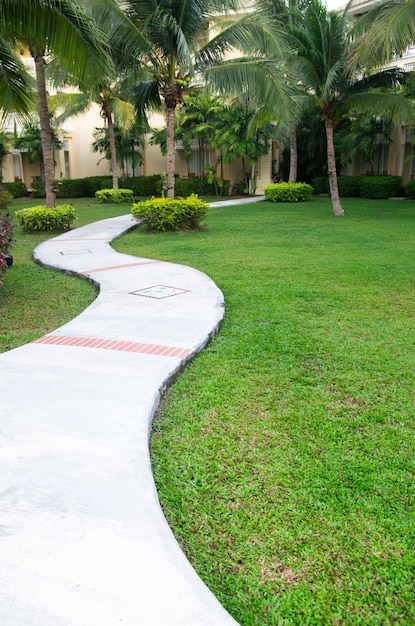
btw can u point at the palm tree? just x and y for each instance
(127, 144)
(287, 13)
(61, 28)
(243, 134)
(323, 43)
(114, 109)
(168, 43)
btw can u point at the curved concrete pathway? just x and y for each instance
(83, 541)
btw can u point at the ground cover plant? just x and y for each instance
(34, 300)
(284, 454)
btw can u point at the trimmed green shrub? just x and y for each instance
(349, 186)
(166, 214)
(320, 184)
(409, 188)
(38, 189)
(116, 196)
(72, 188)
(6, 199)
(17, 189)
(376, 187)
(41, 218)
(6, 240)
(288, 192)
(141, 185)
(91, 184)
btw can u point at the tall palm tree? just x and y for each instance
(62, 28)
(323, 43)
(114, 109)
(169, 43)
(287, 13)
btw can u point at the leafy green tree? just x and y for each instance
(60, 28)
(364, 134)
(242, 134)
(200, 119)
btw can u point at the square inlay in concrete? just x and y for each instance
(159, 292)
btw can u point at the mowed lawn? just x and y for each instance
(284, 454)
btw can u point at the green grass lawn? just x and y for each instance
(284, 454)
(34, 300)
(284, 457)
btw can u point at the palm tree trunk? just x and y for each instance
(293, 155)
(331, 164)
(170, 152)
(45, 131)
(113, 151)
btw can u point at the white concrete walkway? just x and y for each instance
(83, 541)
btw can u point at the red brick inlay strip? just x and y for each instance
(117, 267)
(113, 344)
(68, 240)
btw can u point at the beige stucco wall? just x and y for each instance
(79, 135)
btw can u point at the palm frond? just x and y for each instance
(383, 32)
(384, 103)
(262, 80)
(16, 86)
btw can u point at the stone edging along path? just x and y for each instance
(83, 541)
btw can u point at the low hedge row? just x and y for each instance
(288, 192)
(116, 196)
(17, 189)
(409, 188)
(370, 187)
(165, 214)
(87, 187)
(40, 218)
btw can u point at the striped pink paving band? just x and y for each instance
(117, 267)
(113, 344)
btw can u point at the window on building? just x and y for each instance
(66, 160)
(17, 167)
(380, 162)
(197, 163)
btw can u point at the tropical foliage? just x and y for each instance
(53, 27)
(30, 141)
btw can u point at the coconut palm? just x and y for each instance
(323, 43)
(169, 43)
(115, 110)
(61, 28)
(127, 144)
